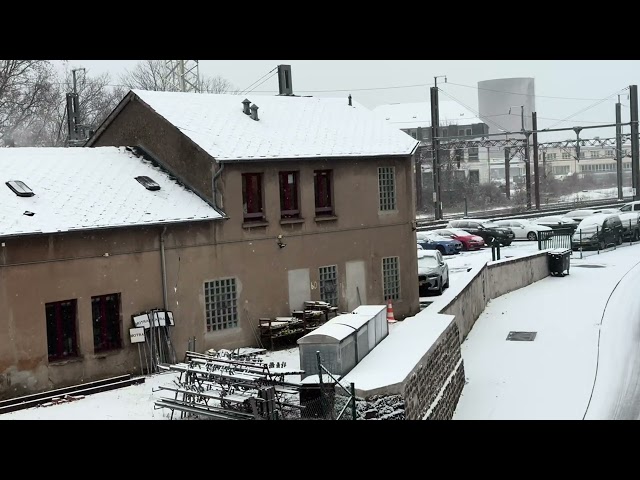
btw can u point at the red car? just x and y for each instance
(469, 241)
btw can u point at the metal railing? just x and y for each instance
(560, 238)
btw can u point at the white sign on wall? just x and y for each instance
(136, 335)
(141, 321)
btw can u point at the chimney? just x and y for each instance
(284, 80)
(350, 101)
(245, 107)
(254, 112)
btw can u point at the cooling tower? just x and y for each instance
(496, 97)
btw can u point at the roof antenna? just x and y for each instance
(350, 100)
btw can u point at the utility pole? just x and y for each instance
(435, 122)
(436, 154)
(507, 174)
(619, 148)
(635, 166)
(534, 125)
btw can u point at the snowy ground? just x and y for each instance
(598, 194)
(553, 376)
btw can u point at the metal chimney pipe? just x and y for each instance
(254, 112)
(245, 106)
(350, 101)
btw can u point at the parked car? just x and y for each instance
(600, 230)
(630, 225)
(433, 272)
(485, 229)
(631, 207)
(469, 241)
(579, 215)
(557, 222)
(524, 229)
(431, 241)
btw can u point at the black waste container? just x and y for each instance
(559, 260)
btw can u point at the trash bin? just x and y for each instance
(559, 261)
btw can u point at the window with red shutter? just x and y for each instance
(106, 322)
(324, 203)
(61, 329)
(252, 197)
(289, 195)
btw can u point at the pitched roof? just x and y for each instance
(288, 127)
(418, 114)
(89, 188)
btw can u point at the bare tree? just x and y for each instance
(47, 127)
(25, 88)
(151, 75)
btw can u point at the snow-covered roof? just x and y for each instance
(418, 114)
(288, 127)
(89, 188)
(330, 332)
(370, 310)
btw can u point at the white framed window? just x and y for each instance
(387, 188)
(566, 156)
(221, 304)
(594, 154)
(329, 284)
(609, 153)
(391, 278)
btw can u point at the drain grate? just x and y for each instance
(590, 266)
(521, 336)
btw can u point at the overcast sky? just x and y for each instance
(581, 83)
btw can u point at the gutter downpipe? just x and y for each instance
(213, 184)
(163, 268)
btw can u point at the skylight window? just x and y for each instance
(148, 183)
(20, 188)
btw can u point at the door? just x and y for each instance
(518, 229)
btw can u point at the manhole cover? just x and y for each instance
(521, 336)
(590, 266)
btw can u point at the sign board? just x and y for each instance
(159, 319)
(136, 335)
(633, 192)
(141, 321)
(434, 196)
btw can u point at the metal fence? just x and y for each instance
(328, 399)
(555, 239)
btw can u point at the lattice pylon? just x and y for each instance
(182, 75)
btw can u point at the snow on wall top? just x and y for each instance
(88, 188)
(391, 362)
(418, 114)
(288, 127)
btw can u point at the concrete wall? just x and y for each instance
(433, 389)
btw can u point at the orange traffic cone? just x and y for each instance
(390, 317)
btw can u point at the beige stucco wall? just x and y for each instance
(40, 269)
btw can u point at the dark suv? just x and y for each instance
(599, 230)
(485, 229)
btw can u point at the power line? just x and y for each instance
(589, 107)
(471, 109)
(268, 78)
(518, 93)
(244, 90)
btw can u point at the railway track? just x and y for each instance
(520, 212)
(29, 401)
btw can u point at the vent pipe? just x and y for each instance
(350, 101)
(245, 107)
(254, 112)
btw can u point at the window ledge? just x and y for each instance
(291, 221)
(326, 218)
(260, 224)
(106, 354)
(62, 362)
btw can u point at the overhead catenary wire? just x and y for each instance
(589, 107)
(471, 109)
(520, 93)
(268, 78)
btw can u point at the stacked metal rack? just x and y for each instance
(233, 386)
